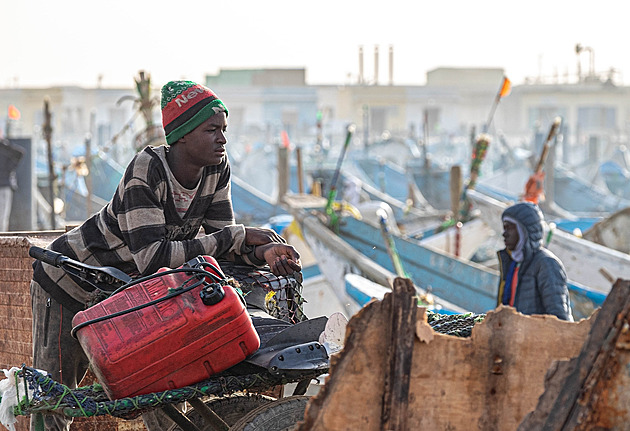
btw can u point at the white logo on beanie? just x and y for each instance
(186, 97)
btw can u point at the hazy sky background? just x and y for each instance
(72, 42)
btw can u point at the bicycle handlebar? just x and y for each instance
(47, 256)
(104, 277)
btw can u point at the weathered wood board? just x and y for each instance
(489, 381)
(592, 390)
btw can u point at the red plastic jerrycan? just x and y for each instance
(170, 343)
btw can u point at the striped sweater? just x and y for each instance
(140, 231)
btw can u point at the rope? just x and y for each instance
(53, 397)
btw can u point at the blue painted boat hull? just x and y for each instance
(466, 284)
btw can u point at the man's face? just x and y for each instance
(510, 235)
(205, 145)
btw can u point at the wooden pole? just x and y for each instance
(535, 184)
(88, 164)
(425, 139)
(404, 306)
(503, 91)
(283, 173)
(585, 391)
(333, 185)
(143, 85)
(456, 185)
(300, 171)
(545, 150)
(391, 246)
(47, 129)
(88, 177)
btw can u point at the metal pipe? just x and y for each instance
(376, 65)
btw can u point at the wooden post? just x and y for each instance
(404, 306)
(47, 129)
(549, 184)
(425, 139)
(88, 164)
(300, 172)
(589, 390)
(283, 173)
(88, 177)
(456, 190)
(143, 85)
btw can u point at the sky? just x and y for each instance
(77, 42)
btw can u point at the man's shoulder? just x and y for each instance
(151, 153)
(146, 163)
(545, 253)
(545, 259)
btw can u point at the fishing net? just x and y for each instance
(48, 396)
(458, 325)
(280, 296)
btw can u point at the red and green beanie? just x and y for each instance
(185, 105)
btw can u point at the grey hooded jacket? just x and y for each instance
(542, 280)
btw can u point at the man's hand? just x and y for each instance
(282, 259)
(260, 236)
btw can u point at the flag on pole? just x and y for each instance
(14, 113)
(505, 88)
(285, 139)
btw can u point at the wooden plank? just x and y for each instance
(591, 388)
(456, 189)
(354, 401)
(404, 306)
(488, 381)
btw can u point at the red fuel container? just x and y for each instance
(170, 344)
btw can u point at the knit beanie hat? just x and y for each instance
(185, 105)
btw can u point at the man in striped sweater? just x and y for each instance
(165, 197)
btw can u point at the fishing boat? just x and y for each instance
(386, 177)
(616, 178)
(364, 290)
(614, 172)
(611, 232)
(413, 216)
(337, 258)
(433, 182)
(87, 189)
(251, 206)
(568, 191)
(357, 243)
(426, 185)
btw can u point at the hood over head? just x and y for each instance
(530, 221)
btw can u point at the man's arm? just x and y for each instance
(142, 221)
(260, 236)
(552, 281)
